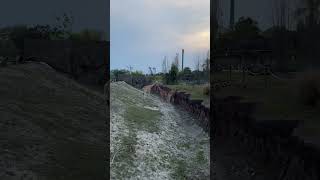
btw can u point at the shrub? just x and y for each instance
(172, 76)
(309, 89)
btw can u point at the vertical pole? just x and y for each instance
(182, 58)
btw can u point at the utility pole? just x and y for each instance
(182, 58)
(232, 4)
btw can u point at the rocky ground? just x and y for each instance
(152, 139)
(50, 126)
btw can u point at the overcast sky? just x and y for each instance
(93, 14)
(144, 31)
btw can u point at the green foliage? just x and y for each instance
(61, 30)
(87, 35)
(117, 72)
(172, 76)
(187, 71)
(157, 78)
(137, 73)
(185, 74)
(245, 28)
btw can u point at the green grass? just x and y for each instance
(200, 159)
(136, 118)
(157, 78)
(196, 91)
(180, 170)
(142, 118)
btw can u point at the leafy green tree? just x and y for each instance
(186, 74)
(246, 28)
(173, 74)
(187, 70)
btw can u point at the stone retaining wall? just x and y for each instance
(183, 99)
(270, 141)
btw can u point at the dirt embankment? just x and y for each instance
(51, 127)
(196, 107)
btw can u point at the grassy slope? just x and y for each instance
(135, 144)
(57, 124)
(135, 118)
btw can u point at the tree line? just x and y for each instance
(294, 33)
(173, 74)
(13, 36)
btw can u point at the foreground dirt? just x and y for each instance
(50, 126)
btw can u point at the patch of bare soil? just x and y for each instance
(50, 126)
